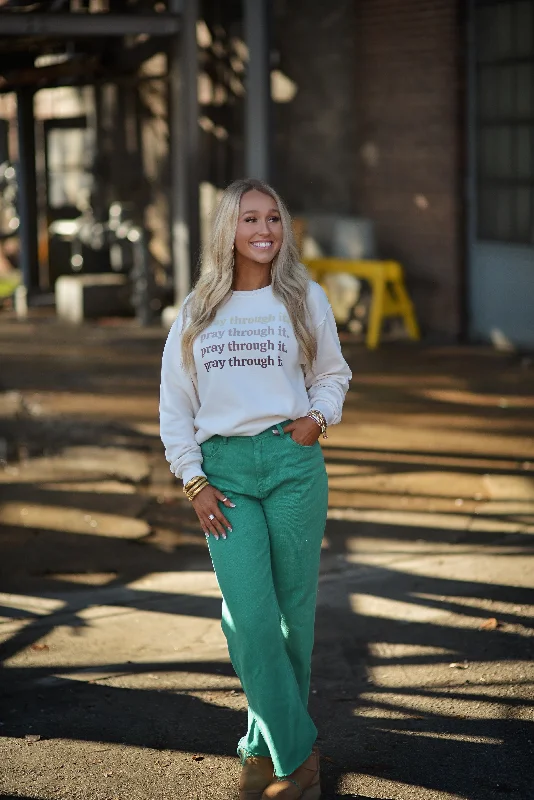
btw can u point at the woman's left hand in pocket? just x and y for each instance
(304, 431)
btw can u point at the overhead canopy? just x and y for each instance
(44, 44)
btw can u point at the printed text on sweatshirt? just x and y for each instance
(249, 375)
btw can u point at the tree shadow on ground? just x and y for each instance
(439, 731)
(459, 730)
(156, 719)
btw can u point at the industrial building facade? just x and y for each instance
(418, 116)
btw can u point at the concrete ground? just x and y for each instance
(116, 683)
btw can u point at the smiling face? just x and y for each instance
(259, 232)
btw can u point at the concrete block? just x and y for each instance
(81, 297)
(338, 236)
(353, 237)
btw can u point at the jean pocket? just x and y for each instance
(300, 446)
(211, 447)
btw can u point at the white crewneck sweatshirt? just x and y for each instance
(249, 375)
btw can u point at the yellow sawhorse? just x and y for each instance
(389, 296)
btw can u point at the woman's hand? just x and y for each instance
(206, 505)
(304, 430)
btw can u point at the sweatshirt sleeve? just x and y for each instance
(178, 407)
(328, 380)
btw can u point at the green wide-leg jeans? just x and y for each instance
(267, 570)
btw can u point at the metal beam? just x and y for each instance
(258, 98)
(27, 191)
(88, 25)
(184, 153)
(40, 76)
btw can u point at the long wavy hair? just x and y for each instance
(289, 277)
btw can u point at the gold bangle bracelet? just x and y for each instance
(192, 484)
(193, 481)
(192, 494)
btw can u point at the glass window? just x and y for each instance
(505, 119)
(69, 182)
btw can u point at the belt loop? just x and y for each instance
(280, 429)
(224, 439)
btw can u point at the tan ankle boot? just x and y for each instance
(303, 784)
(256, 774)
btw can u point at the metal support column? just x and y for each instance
(27, 191)
(184, 151)
(258, 97)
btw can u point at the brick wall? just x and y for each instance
(314, 133)
(375, 130)
(408, 146)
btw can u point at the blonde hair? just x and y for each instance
(288, 276)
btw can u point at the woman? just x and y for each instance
(252, 374)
